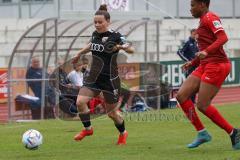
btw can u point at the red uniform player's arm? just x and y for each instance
(221, 40)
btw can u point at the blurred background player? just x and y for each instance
(213, 68)
(103, 75)
(187, 53)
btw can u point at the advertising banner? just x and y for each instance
(3, 85)
(173, 74)
(129, 74)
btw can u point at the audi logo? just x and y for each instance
(97, 47)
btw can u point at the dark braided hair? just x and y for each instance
(103, 11)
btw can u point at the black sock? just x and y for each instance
(85, 118)
(120, 127)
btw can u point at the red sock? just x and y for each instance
(190, 112)
(212, 113)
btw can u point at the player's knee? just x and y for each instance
(112, 115)
(201, 106)
(81, 104)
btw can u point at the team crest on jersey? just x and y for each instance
(217, 24)
(104, 39)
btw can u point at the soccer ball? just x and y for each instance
(32, 139)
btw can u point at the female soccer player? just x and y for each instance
(213, 68)
(103, 75)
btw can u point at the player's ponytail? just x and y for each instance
(103, 11)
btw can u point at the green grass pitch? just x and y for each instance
(155, 135)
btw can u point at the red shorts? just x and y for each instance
(213, 73)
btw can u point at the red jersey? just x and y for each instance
(209, 25)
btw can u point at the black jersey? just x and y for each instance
(104, 60)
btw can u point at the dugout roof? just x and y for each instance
(51, 38)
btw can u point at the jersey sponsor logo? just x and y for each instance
(217, 24)
(97, 47)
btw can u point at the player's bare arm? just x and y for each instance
(84, 50)
(126, 47)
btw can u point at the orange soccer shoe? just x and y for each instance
(82, 134)
(122, 139)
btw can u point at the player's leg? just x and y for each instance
(112, 109)
(206, 93)
(85, 94)
(193, 97)
(211, 82)
(125, 94)
(115, 115)
(188, 88)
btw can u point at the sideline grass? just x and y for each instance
(161, 138)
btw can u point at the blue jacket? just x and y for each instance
(36, 86)
(188, 50)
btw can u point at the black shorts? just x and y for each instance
(110, 87)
